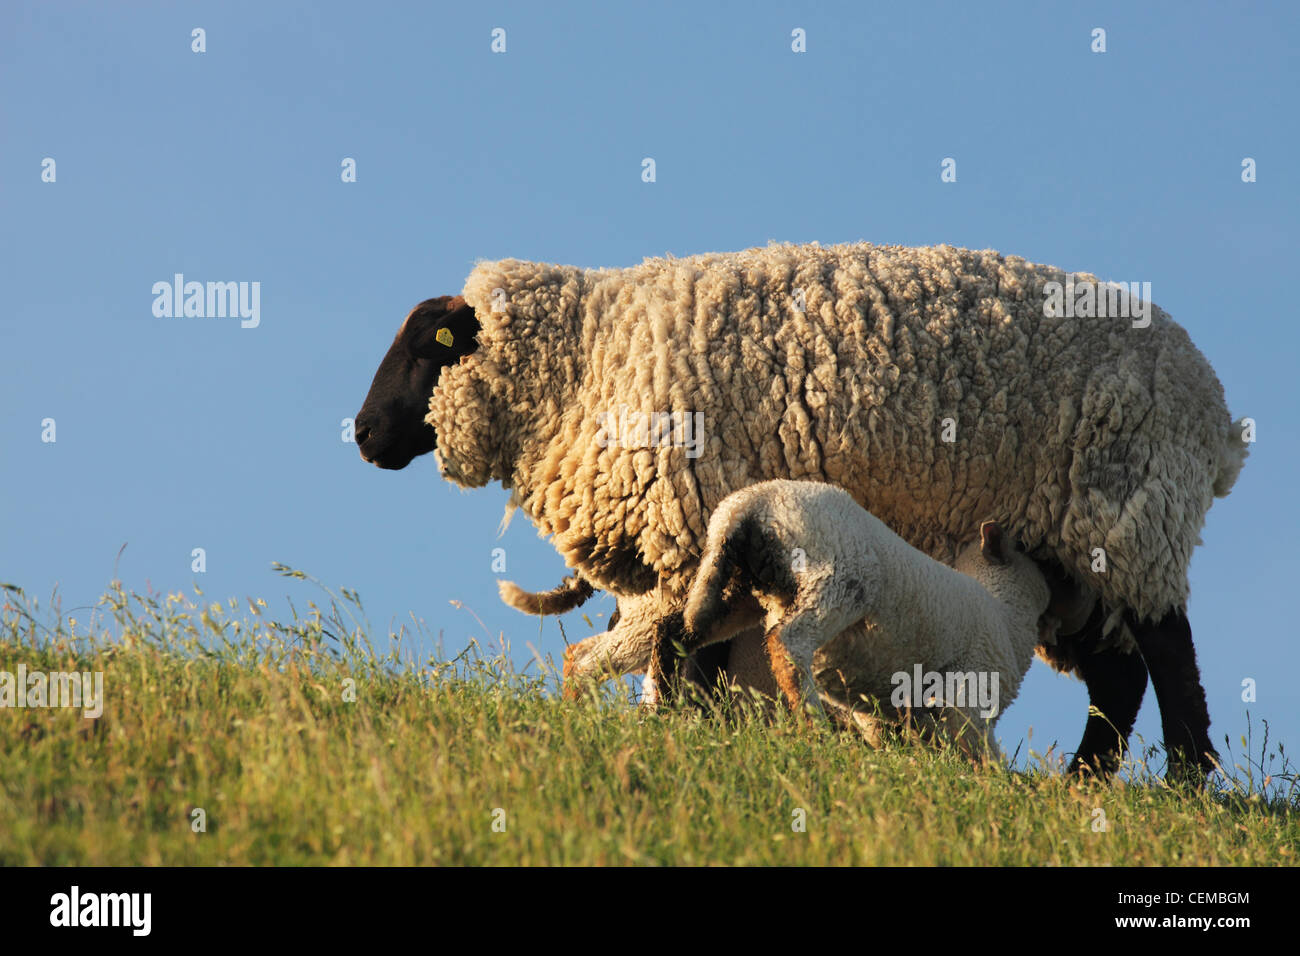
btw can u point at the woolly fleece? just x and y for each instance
(1074, 433)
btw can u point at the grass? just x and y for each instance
(247, 719)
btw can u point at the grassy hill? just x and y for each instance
(296, 743)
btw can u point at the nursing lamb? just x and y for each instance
(827, 579)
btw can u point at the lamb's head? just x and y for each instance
(391, 428)
(1010, 575)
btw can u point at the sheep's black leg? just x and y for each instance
(1116, 682)
(707, 667)
(703, 671)
(1167, 648)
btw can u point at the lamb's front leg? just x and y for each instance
(962, 727)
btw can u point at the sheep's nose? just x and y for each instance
(361, 432)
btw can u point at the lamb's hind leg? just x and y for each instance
(792, 643)
(1170, 656)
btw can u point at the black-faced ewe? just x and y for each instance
(390, 428)
(854, 613)
(938, 386)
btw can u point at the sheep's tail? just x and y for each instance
(1236, 446)
(572, 592)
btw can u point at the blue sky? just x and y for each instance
(176, 433)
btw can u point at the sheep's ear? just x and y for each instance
(993, 543)
(445, 331)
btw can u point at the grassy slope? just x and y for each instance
(255, 731)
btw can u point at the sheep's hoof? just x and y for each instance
(1100, 767)
(1183, 773)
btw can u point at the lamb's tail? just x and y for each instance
(726, 559)
(572, 592)
(1232, 455)
(704, 605)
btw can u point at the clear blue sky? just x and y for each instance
(178, 433)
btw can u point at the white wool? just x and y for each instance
(840, 364)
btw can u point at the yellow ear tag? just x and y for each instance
(444, 336)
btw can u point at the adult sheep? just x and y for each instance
(931, 383)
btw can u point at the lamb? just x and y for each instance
(932, 383)
(817, 570)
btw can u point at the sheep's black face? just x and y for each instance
(390, 428)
